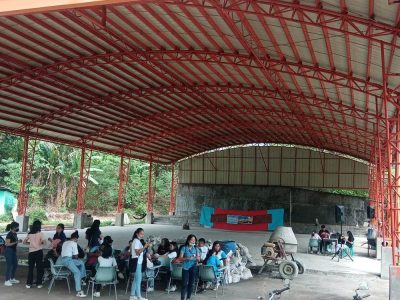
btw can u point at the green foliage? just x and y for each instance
(356, 193)
(5, 218)
(37, 214)
(55, 179)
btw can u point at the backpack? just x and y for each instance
(2, 246)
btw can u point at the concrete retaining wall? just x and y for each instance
(307, 205)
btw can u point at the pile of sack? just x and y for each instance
(239, 263)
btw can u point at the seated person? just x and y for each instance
(213, 260)
(59, 236)
(53, 254)
(105, 260)
(324, 234)
(172, 255)
(203, 248)
(122, 261)
(69, 254)
(219, 252)
(163, 248)
(315, 237)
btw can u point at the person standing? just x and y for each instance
(138, 263)
(93, 236)
(11, 254)
(69, 254)
(36, 240)
(190, 255)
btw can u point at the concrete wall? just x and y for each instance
(306, 204)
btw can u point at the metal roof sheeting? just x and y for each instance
(163, 80)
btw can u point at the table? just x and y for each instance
(326, 242)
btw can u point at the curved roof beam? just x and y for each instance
(258, 92)
(309, 15)
(181, 131)
(207, 56)
(181, 150)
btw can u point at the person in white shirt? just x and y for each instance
(203, 248)
(105, 260)
(137, 260)
(69, 254)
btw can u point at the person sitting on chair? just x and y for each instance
(69, 254)
(324, 234)
(350, 242)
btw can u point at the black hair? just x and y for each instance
(322, 226)
(95, 225)
(211, 252)
(175, 247)
(61, 225)
(106, 252)
(8, 227)
(351, 236)
(202, 240)
(75, 235)
(13, 225)
(190, 236)
(135, 234)
(36, 227)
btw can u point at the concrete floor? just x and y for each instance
(324, 278)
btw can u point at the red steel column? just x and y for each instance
(123, 182)
(26, 173)
(390, 150)
(150, 192)
(172, 200)
(83, 179)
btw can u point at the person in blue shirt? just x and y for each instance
(217, 249)
(212, 258)
(190, 255)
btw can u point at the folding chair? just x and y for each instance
(207, 274)
(176, 274)
(58, 272)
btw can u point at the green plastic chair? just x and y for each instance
(176, 274)
(207, 274)
(313, 245)
(58, 272)
(104, 276)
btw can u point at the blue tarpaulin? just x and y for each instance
(277, 218)
(205, 216)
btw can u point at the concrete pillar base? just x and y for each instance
(394, 282)
(23, 221)
(379, 241)
(149, 218)
(171, 213)
(119, 219)
(82, 220)
(386, 262)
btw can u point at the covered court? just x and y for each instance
(165, 80)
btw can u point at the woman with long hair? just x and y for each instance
(190, 255)
(11, 253)
(93, 236)
(163, 248)
(35, 239)
(138, 263)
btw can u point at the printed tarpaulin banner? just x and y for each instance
(242, 220)
(233, 219)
